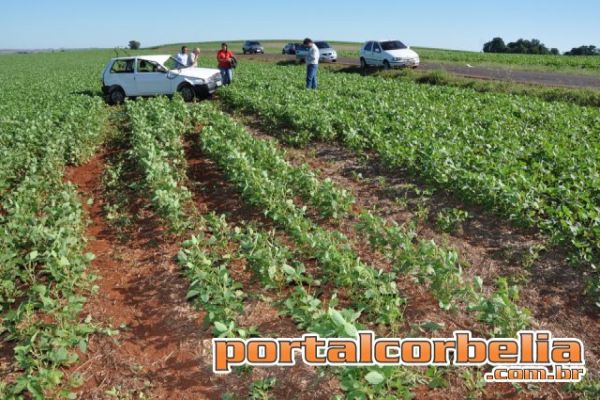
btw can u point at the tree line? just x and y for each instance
(534, 46)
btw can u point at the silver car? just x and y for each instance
(326, 52)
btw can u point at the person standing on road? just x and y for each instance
(183, 59)
(312, 64)
(225, 57)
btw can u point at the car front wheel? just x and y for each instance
(386, 64)
(187, 93)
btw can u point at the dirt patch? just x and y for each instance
(143, 295)
(8, 365)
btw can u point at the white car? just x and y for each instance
(155, 75)
(387, 54)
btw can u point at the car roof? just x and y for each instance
(383, 40)
(161, 58)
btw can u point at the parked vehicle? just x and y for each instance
(387, 54)
(156, 75)
(290, 48)
(326, 52)
(253, 47)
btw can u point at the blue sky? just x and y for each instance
(458, 24)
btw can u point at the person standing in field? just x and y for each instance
(312, 64)
(194, 57)
(225, 57)
(183, 58)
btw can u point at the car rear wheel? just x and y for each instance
(116, 96)
(363, 63)
(386, 64)
(187, 92)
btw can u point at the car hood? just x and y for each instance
(195, 73)
(403, 53)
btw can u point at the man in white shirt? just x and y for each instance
(312, 64)
(183, 59)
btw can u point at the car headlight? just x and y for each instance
(198, 81)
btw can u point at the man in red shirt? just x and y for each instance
(224, 56)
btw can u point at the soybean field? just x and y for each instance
(132, 235)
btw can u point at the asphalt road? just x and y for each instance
(503, 74)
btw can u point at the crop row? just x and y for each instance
(532, 161)
(43, 262)
(157, 126)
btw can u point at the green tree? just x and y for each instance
(134, 44)
(496, 45)
(524, 46)
(590, 50)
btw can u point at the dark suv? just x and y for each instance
(290, 48)
(253, 47)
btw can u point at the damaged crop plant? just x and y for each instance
(292, 238)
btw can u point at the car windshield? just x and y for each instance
(393, 45)
(253, 44)
(171, 64)
(323, 45)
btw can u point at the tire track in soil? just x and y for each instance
(140, 288)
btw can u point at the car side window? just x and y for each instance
(146, 66)
(369, 46)
(376, 47)
(122, 67)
